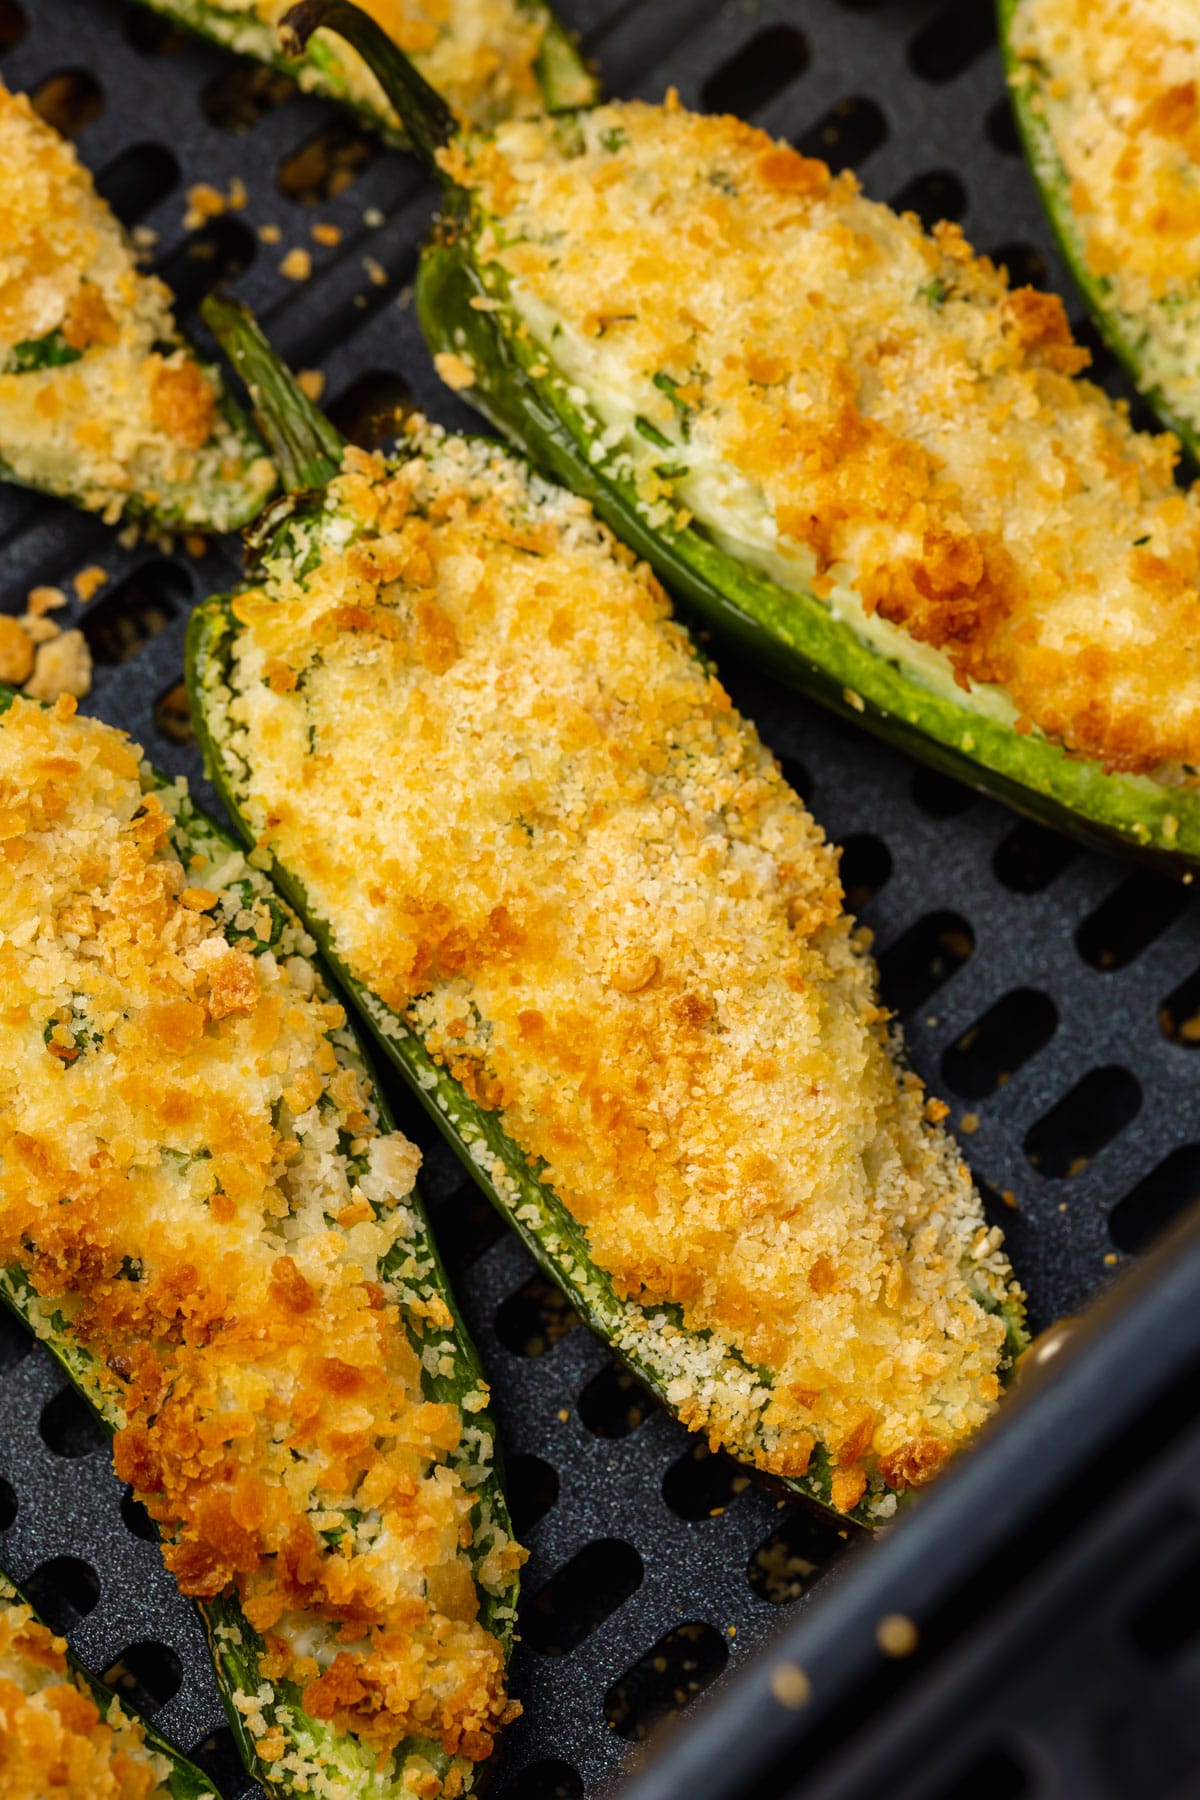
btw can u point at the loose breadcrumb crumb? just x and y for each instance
(454, 370)
(40, 600)
(204, 202)
(88, 582)
(297, 264)
(62, 666)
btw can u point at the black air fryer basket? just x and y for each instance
(1047, 1592)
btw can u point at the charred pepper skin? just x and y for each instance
(464, 309)
(234, 1644)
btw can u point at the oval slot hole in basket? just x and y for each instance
(1157, 1200)
(68, 1427)
(241, 94)
(532, 1489)
(547, 1779)
(613, 1403)
(847, 134)
(701, 1483)
(136, 610)
(69, 100)
(757, 72)
(666, 1679)
(785, 1563)
(327, 163)
(372, 409)
(928, 953)
(63, 1591)
(137, 180)
(145, 1676)
(534, 1318)
(13, 25)
(1129, 919)
(581, 1595)
(866, 867)
(938, 194)
(951, 41)
(1064, 1140)
(1030, 857)
(991, 1050)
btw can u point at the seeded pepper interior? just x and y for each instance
(461, 717)
(195, 1185)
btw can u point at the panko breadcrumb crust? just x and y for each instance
(460, 717)
(131, 420)
(196, 1189)
(835, 393)
(1116, 83)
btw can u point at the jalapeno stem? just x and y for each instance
(307, 448)
(426, 118)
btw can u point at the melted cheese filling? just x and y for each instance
(539, 831)
(53, 1739)
(861, 405)
(122, 413)
(1117, 83)
(194, 1183)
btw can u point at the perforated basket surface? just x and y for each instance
(1049, 994)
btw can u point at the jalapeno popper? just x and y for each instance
(101, 399)
(65, 1734)
(490, 59)
(592, 924)
(1106, 96)
(204, 1216)
(842, 438)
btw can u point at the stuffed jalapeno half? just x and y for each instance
(204, 1216)
(64, 1733)
(842, 438)
(1105, 94)
(102, 401)
(586, 916)
(489, 59)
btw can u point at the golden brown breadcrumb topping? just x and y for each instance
(193, 1180)
(539, 831)
(121, 411)
(861, 405)
(1117, 84)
